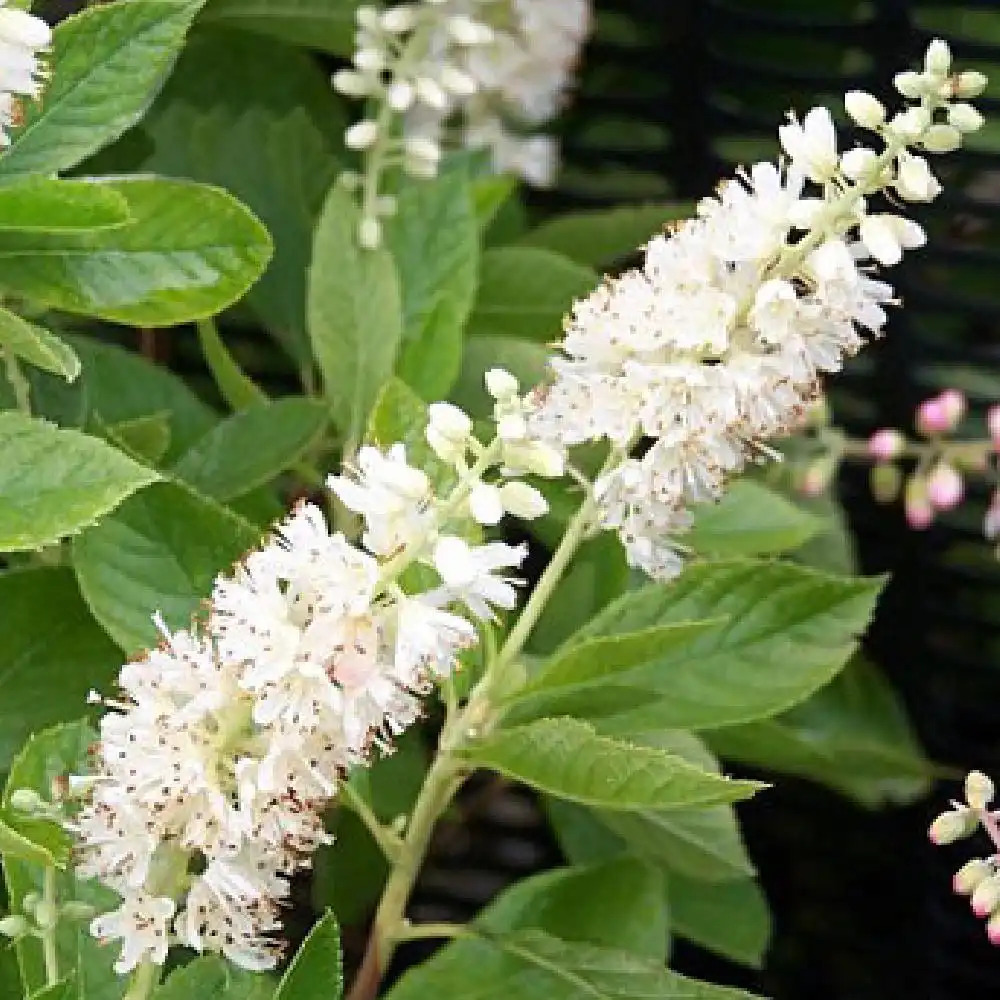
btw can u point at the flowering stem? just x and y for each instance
(447, 772)
(50, 953)
(387, 841)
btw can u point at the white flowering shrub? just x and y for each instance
(248, 649)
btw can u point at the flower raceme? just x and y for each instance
(227, 741)
(688, 364)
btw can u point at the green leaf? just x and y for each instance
(252, 447)
(58, 205)
(65, 989)
(524, 359)
(190, 251)
(144, 438)
(317, 971)
(37, 346)
(435, 243)
(49, 661)
(790, 630)
(603, 656)
(237, 389)
(751, 520)
(598, 237)
(527, 965)
(731, 919)
(221, 121)
(210, 977)
(566, 757)
(55, 482)
(107, 64)
(118, 386)
(489, 195)
(852, 736)
(317, 24)
(160, 551)
(354, 314)
(48, 755)
(525, 292)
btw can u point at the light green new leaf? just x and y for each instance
(750, 520)
(790, 630)
(525, 292)
(730, 918)
(435, 243)
(532, 964)
(566, 758)
(14, 844)
(50, 660)
(317, 971)
(598, 237)
(57, 205)
(315, 24)
(47, 755)
(54, 482)
(37, 346)
(221, 121)
(354, 313)
(191, 251)
(251, 447)
(107, 64)
(160, 551)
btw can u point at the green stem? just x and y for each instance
(20, 385)
(431, 932)
(448, 770)
(387, 841)
(143, 982)
(50, 952)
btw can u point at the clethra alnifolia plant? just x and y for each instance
(289, 663)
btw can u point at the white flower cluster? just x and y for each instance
(481, 65)
(228, 741)
(24, 38)
(688, 364)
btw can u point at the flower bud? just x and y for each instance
(968, 878)
(993, 930)
(501, 385)
(979, 790)
(370, 233)
(544, 460)
(953, 825)
(885, 481)
(909, 84)
(964, 117)
(970, 84)
(361, 135)
(941, 414)
(523, 501)
(350, 83)
(431, 93)
(941, 139)
(486, 504)
(917, 507)
(886, 444)
(466, 31)
(944, 487)
(993, 423)
(400, 19)
(27, 800)
(400, 95)
(512, 427)
(991, 523)
(864, 109)
(986, 896)
(369, 60)
(855, 163)
(453, 422)
(458, 82)
(420, 147)
(914, 180)
(77, 910)
(46, 915)
(937, 59)
(367, 17)
(15, 926)
(911, 124)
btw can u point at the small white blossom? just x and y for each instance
(141, 924)
(467, 574)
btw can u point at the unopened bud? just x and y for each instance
(400, 95)
(964, 117)
(986, 896)
(367, 17)
(485, 504)
(450, 421)
(941, 139)
(886, 444)
(856, 163)
(937, 59)
(351, 83)
(369, 60)
(46, 915)
(885, 481)
(866, 110)
(955, 405)
(361, 135)
(512, 427)
(940, 414)
(14, 926)
(27, 800)
(523, 501)
(970, 84)
(945, 488)
(953, 825)
(370, 233)
(500, 384)
(431, 93)
(993, 930)
(77, 910)
(968, 878)
(979, 790)
(400, 19)
(916, 505)
(466, 31)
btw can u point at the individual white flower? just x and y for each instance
(812, 144)
(141, 924)
(392, 496)
(467, 575)
(486, 504)
(449, 432)
(866, 110)
(887, 236)
(523, 500)
(914, 179)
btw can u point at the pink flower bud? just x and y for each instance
(953, 825)
(986, 897)
(991, 525)
(886, 444)
(955, 405)
(932, 418)
(993, 930)
(993, 423)
(917, 505)
(944, 487)
(969, 877)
